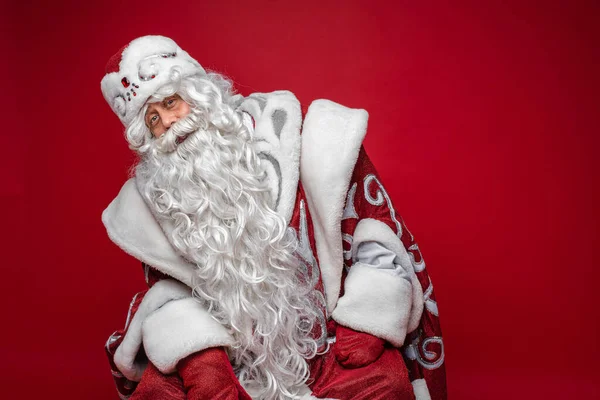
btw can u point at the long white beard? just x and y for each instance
(211, 190)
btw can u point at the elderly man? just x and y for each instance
(276, 264)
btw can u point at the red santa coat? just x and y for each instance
(354, 208)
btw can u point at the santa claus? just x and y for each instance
(277, 266)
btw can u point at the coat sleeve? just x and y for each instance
(387, 290)
(164, 325)
(382, 295)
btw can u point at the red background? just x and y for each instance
(483, 126)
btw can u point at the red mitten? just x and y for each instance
(384, 379)
(354, 349)
(156, 385)
(208, 375)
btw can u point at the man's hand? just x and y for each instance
(354, 349)
(208, 374)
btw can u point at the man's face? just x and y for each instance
(160, 116)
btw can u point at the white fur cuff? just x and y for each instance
(131, 226)
(179, 329)
(375, 302)
(369, 229)
(126, 354)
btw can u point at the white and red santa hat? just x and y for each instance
(139, 69)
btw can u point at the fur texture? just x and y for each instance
(131, 226)
(375, 301)
(331, 140)
(277, 141)
(171, 333)
(160, 294)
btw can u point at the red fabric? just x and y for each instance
(425, 358)
(356, 349)
(208, 375)
(113, 63)
(155, 385)
(384, 379)
(125, 387)
(366, 368)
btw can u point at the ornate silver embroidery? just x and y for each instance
(129, 312)
(310, 270)
(261, 100)
(430, 359)
(348, 239)
(278, 118)
(418, 266)
(349, 210)
(320, 300)
(111, 339)
(381, 195)
(304, 249)
(277, 168)
(430, 304)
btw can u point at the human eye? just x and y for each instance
(170, 101)
(153, 120)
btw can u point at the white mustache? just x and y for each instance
(178, 132)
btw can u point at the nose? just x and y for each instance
(168, 118)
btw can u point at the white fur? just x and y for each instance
(421, 390)
(331, 139)
(160, 294)
(131, 226)
(385, 305)
(178, 329)
(375, 302)
(285, 148)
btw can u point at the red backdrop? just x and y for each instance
(483, 126)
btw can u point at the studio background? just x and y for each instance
(483, 127)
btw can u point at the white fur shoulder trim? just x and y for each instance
(331, 140)
(131, 226)
(278, 120)
(387, 306)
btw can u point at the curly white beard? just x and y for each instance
(211, 190)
